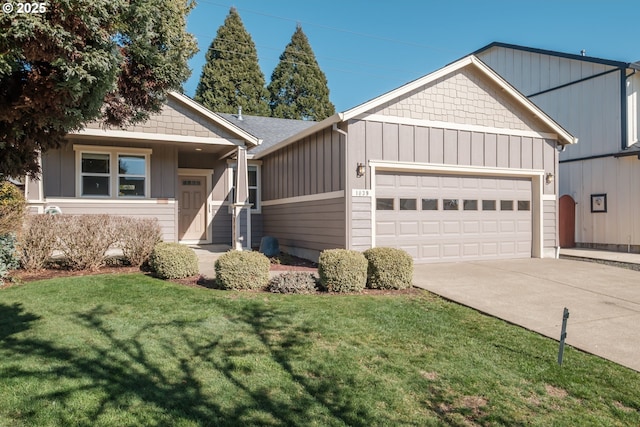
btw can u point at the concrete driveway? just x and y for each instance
(603, 301)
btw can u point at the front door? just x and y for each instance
(192, 221)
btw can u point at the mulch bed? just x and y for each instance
(292, 264)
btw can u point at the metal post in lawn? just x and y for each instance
(563, 335)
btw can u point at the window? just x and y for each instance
(116, 172)
(131, 175)
(524, 205)
(450, 204)
(253, 181)
(470, 205)
(506, 205)
(384, 204)
(488, 205)
(95, 175)
(408, 205)
(429, 204)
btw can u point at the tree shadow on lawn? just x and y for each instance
(125, 376)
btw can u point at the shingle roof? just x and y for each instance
(270, 130)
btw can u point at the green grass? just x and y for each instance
(131, 350)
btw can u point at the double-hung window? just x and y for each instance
(253, 179)
(112, 172)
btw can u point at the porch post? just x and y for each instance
(241, 202)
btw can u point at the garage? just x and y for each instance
(448, 217)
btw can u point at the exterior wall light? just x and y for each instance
(548, 178)
(360, 170)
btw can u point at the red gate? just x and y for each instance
(567, 222)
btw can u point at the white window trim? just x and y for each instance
(114, 174)
(231, 165)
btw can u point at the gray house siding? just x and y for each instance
(310, 166)
(306, 228)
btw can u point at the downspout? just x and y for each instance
(347, 195)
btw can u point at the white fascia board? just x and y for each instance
(148, 136)
(329, 121)
(219, 120)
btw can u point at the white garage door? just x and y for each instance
(454, 218)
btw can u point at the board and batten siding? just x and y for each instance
(313, 165)
(306, 228)
(582, 96)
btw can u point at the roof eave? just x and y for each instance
(329, 121)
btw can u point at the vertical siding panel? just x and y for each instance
(464, 148)
(436, 145)
(320, 163)
(450, 146)
(374, 140)
(290, 175)
(328, 164)
(515, 152)
(490, 150)
(307, 166)
(335, 161)
(422, 144)
(538, 154)
(477, 149)
(341, 156)
(296, 170)
(503, 151)
(313, 164)
(406, 144)
(550, 164)
(390, 141)
(527, 153)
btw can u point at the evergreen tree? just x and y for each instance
(231, 77)
(298, 87)
(73, 62)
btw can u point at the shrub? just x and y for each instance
(242, 270)
(389, 268)
(173, 261)
(12, 208)
(37, 241)
(342, 270)
(85, 239)
(8, 255)
(293, 282)
(138, 237)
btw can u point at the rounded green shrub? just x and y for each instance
(342, 270)
(389, 268)
(293, 282)
(173, 261)
(242, 270)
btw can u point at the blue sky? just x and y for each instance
(367, 48)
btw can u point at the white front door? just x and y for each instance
(192, 217)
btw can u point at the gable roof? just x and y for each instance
(617, 64)
(217, 118)
(564, 137)
(270, 129)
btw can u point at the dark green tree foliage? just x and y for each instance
(298, 87)
(231, 76)
(83, 60)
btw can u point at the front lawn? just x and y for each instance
(129, 350)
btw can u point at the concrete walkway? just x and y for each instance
(603, 301)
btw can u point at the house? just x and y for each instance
(456, 165)
(597, 101)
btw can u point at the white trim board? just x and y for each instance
(148, 136)
(453, 169)
(307, 198)
(107, 201)
(455, 126)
